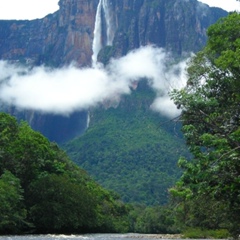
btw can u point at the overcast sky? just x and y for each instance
(31, 9)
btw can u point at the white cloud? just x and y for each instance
(68, 89)
(228, 5)
(175, 78)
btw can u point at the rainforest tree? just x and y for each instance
(209, 189)
(43, 191)
(12, 210)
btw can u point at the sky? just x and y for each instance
(32, 9)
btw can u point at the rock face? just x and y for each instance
(178, 26)
(76, 20)
(57, 39)
(67, 35)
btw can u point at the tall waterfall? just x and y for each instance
(103, 14)
(109, 22)
(97, 39)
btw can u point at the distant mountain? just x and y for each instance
(126, 147)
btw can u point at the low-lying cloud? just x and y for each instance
(68, 89)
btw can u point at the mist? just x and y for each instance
(68, 89)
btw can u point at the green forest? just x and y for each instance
(131, 149)
(43, 191)
(208, 193)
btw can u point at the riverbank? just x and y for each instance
(157, 236)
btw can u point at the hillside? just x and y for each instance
(43, 191)
(131, 149)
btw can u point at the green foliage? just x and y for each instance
(224, 45)
(126, 150)
(154, 219)
(43, 191)
(105, 54)
(211, 121)
(197, 233)
(12, 210)
(48, 195)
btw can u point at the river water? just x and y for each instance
(83, 237)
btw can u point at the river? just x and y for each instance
(87, 236)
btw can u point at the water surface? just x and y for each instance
(82, 237)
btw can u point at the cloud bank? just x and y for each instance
(65, 90)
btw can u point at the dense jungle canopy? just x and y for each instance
(209, 189)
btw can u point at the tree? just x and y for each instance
(42, 190)
(8, 133)
(12, 210)
(210, 106)
(58, 204)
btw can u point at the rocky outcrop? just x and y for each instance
(176, 25)
(76, 20)
(28, 40)
(57, 39)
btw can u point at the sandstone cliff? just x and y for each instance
(67, 35)
(57, 39)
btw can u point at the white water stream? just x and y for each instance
(109, 22)
(103, 11)
(103, 14)
(97, 39)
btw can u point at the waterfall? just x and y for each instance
(88, 120)
(97, 40)
(103, 11)
(109, 22)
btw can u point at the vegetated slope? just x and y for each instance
(42, 191)
(131, 149)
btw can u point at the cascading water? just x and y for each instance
(109, 22)
(97, 41)
(103, 7)
(103, 14)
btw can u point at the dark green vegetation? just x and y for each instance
(208, 193)
(131, 150)
(41, 190)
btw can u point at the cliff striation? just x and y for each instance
(57, 39)
(179, 26)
